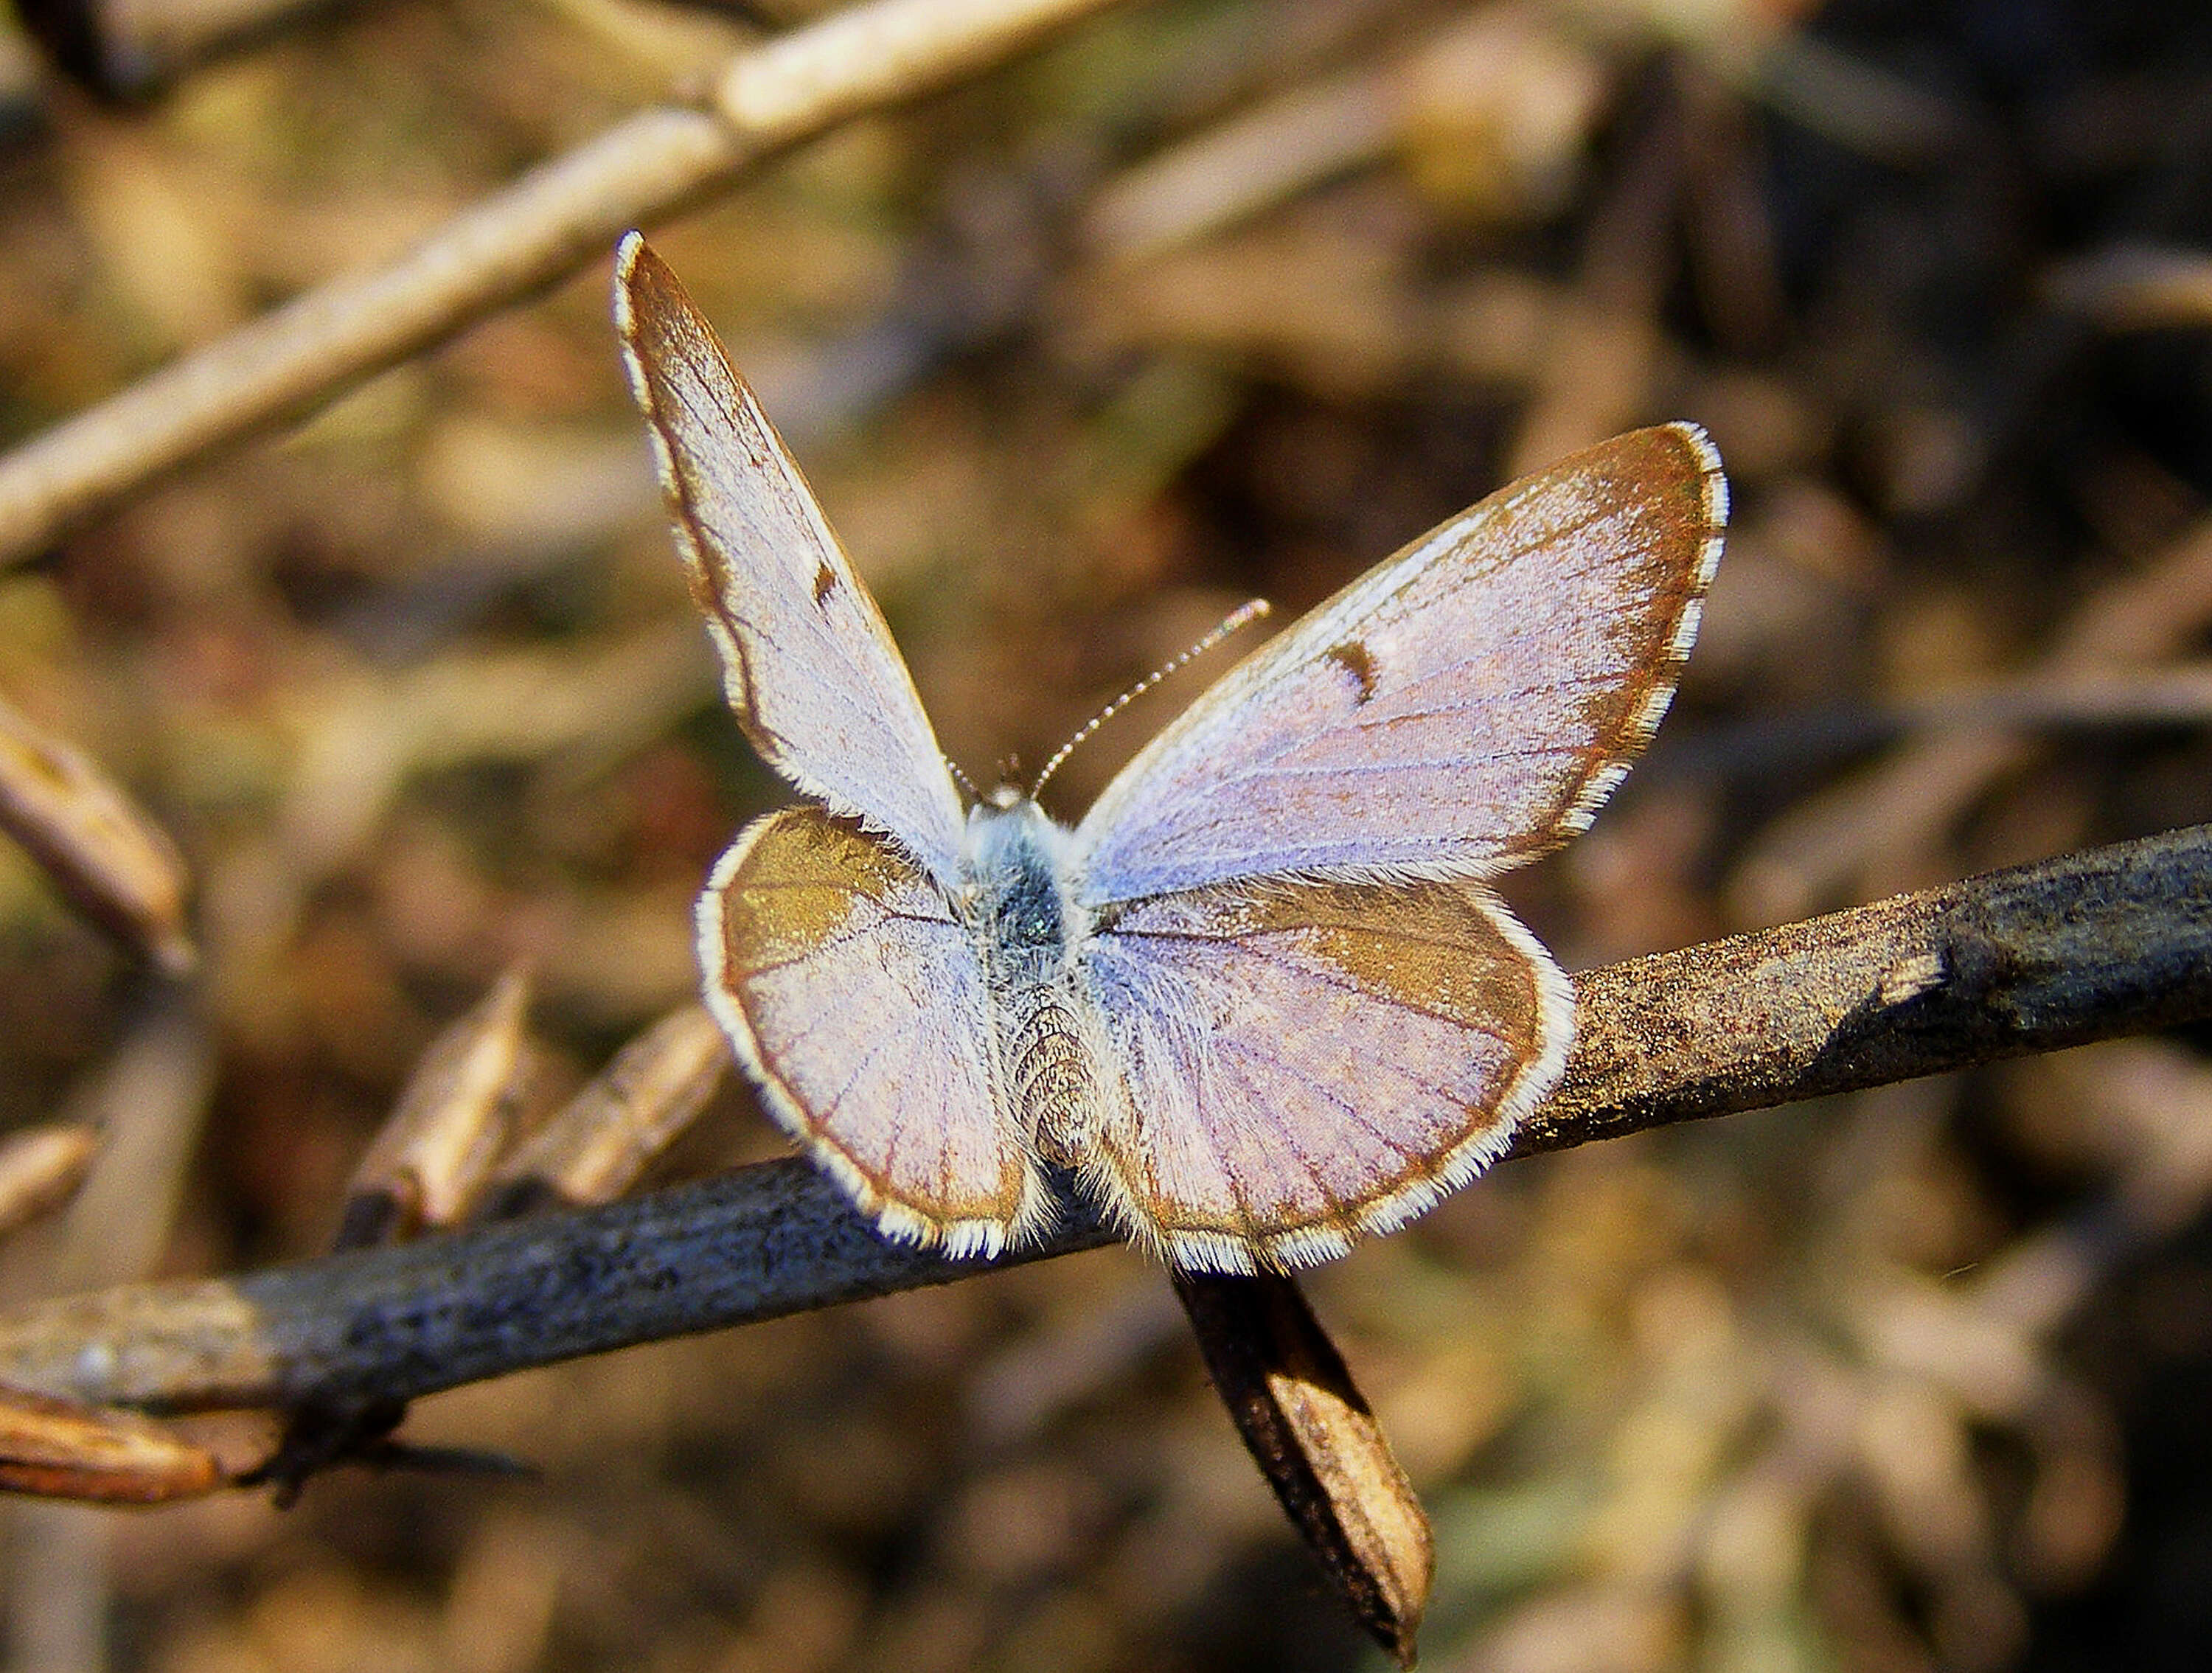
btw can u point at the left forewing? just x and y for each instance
(808, 664)
(1453, 711)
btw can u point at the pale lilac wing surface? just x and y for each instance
(857, 1000)
(1307, 1064)
(1456, 711)
(810, 667)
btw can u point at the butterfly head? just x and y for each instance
(1006, 820)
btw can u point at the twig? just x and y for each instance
(40, 1168)
(2114, 941)
(2174, 694)
(2136, 288)
(1317, 1444)
(544, 226)
(1892, 816)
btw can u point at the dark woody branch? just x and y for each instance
(2114, 941)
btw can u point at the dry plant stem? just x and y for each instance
(94, 843)
(58, 1449)
(2108, 941)
(2114, 941)
(1311, 1433)
(546, 225)
(594, 1149)
(1888, 820)
(1261, 157)
(2175, 694)
(432, 1155)
(40, 1168)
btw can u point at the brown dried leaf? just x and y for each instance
(60, 1449)
(451, 1121)
(593, 1149)
(105, 853)
(1318, 1445)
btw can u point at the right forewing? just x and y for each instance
(810, 667)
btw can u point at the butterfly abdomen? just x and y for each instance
(1051, 1076)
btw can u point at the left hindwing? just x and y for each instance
(1308, 1064)
(1453, 711)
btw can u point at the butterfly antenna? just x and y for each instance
(1246, 613)
(961, 778)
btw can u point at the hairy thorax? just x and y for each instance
(1030, 931)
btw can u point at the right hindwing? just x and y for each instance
(856, 994)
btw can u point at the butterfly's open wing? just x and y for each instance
(1323, 1022)
(1310, 1063)
(1455, 711)
(858, 1003)
(833, 957)
(810, 669)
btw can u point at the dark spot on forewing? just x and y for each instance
(1357, 660)
(825, 582)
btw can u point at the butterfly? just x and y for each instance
(1260, 1003)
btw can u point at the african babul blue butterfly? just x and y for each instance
(1260, 1003)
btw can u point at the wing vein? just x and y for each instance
(1328, 1094)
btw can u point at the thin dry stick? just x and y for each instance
(94, 843)
(40, 1168)
(544, 227)
(2114, 940)
(2175, 694)
(2136, 287)
(1890, 817)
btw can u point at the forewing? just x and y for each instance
(1455, 711)
(857, 1003)
(1310, 1063)
(809, 666)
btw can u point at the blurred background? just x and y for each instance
(1210, 298)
